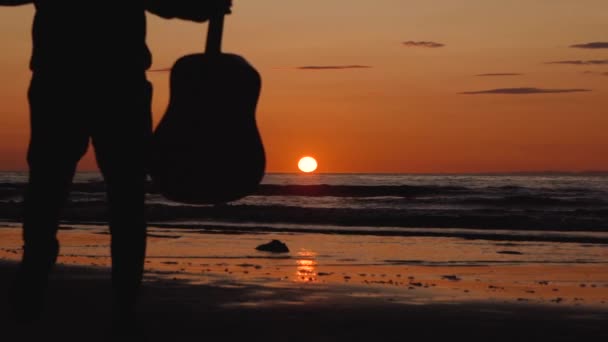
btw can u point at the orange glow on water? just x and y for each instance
(306, 266)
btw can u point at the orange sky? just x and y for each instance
(406, 113)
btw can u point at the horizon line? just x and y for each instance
(546, 172)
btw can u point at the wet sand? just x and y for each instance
(217, 287)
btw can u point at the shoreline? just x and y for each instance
(244, 228)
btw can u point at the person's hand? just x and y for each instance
(205, 9)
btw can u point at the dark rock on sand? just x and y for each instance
(492, 287)
(510, 252)
(451, 277)
(275, 246)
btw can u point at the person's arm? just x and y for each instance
(15, 2)
(194, 10)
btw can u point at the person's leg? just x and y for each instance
(57, 142)
(120, 138)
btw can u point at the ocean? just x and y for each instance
(410, 239)
(380, 204)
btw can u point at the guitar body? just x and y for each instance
(207, 148)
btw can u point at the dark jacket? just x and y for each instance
(103, 36)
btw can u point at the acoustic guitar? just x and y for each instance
(207, 148)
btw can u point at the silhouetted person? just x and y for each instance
(86, 85)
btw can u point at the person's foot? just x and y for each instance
(28, 295)
(29, 287)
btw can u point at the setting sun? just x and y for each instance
(307, 164)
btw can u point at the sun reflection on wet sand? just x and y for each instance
(306, 266)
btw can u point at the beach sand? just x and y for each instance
(202, 286)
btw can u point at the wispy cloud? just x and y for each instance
(333, 67)
(594, 45)
(524, 91)
(499, 74)
(580, 62)
(423, 44)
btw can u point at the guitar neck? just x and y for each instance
(215, 34)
